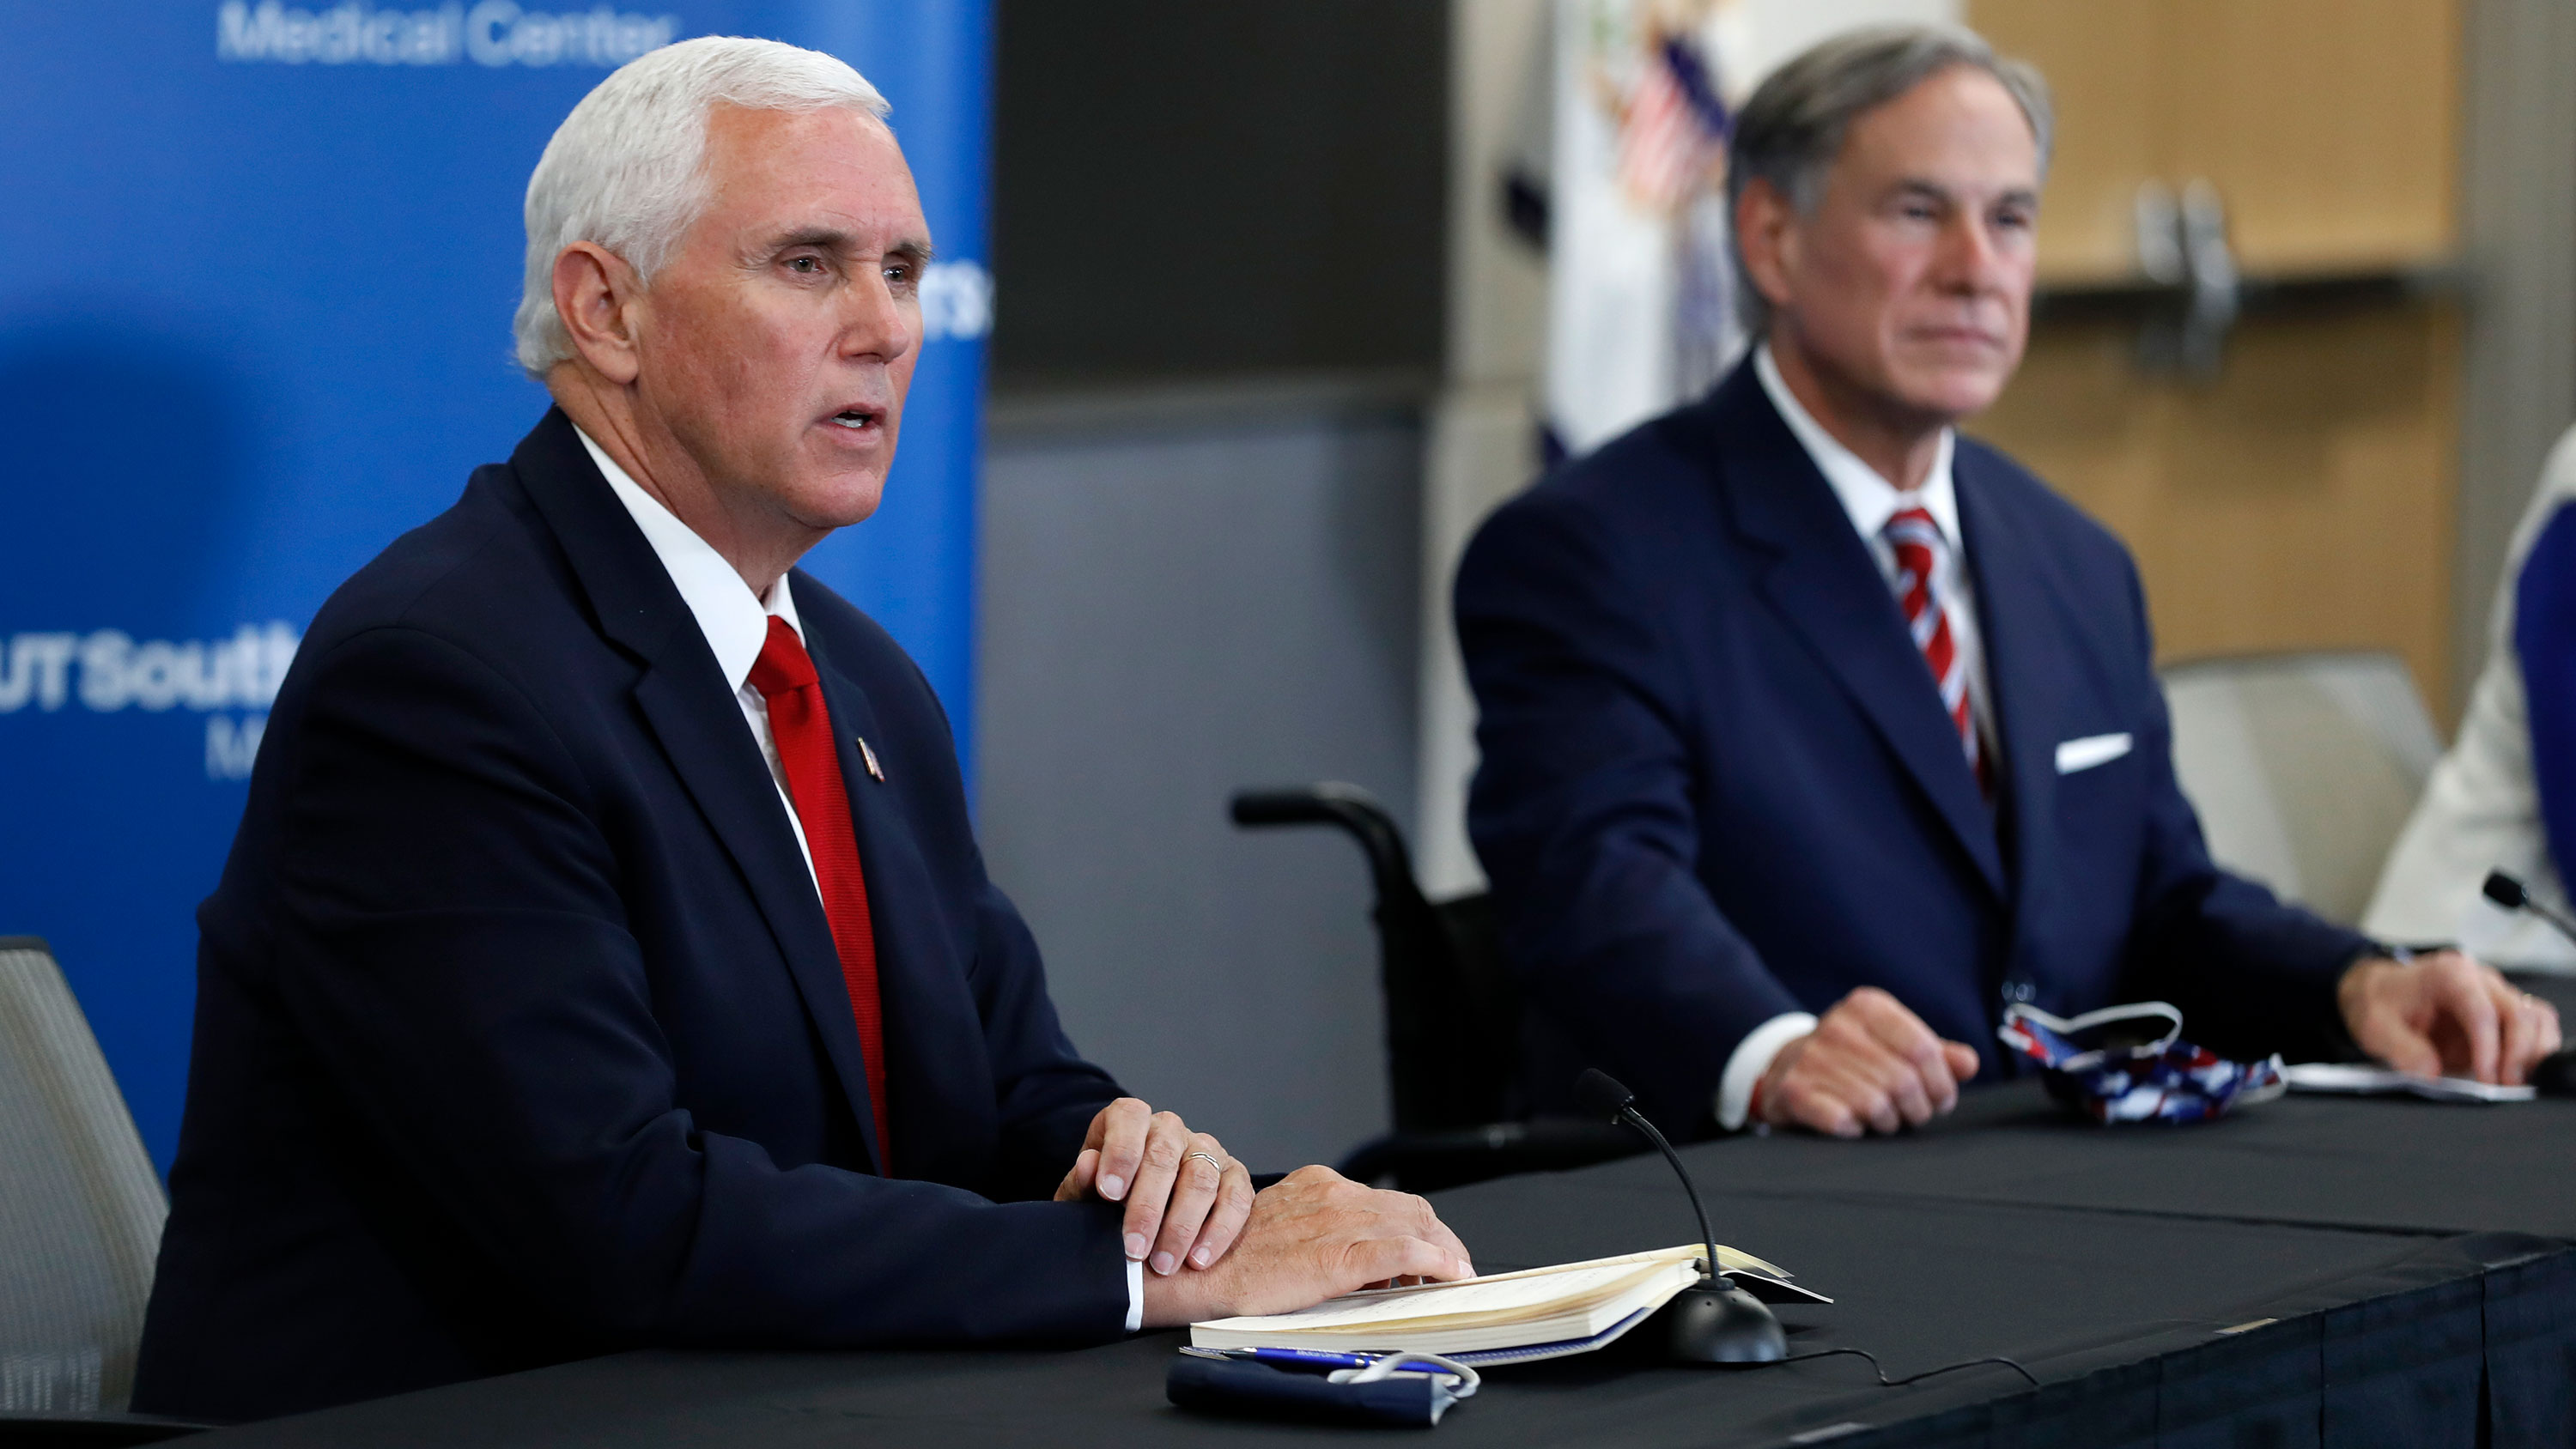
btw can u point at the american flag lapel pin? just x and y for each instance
(869, 757)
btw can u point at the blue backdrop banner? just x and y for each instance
(257, 268)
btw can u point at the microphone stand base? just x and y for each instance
(1720, 1323)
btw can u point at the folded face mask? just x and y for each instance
(2130, 1064)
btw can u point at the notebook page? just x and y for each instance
(1729, 1260)
(1496, 1296)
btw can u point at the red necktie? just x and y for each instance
(784, 675)
(1919, 549)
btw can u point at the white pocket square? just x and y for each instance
(2089, 751)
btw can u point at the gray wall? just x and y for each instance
(1182, 595)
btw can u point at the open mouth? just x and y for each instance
(855, 419)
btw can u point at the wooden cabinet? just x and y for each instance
(2306, 498)
(2329, 127)
(2304, 495)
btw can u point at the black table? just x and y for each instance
(2313, 1271)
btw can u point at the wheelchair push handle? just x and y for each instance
(1302, 806)
(1328, 803)
(1352, 809)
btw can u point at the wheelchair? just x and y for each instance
(1453, 1019)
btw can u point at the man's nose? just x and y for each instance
(875, 322)
(1967, 261)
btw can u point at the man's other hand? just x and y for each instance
(1186, 1199)
(2443, 1014)
(1312, 1235)
(1869, 1066)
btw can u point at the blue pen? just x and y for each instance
(1304, 1358)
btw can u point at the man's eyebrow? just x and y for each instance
(835, 239)
(831, 239)
(1935, 191)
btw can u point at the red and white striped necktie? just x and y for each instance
(1921, 552)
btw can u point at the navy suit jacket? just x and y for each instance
(520, 1031)
(1718, 784)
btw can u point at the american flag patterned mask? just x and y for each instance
(2130, 1064)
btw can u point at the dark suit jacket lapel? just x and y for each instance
(932, 1029)
(2031, 664)
(693, 713)
(1827, 588)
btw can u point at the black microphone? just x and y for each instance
(2555, 1074)
(1715, 1322)
(2511, 894)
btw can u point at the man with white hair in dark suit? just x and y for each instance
(605, 958)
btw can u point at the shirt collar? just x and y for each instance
(1869, 498)
(734, 619)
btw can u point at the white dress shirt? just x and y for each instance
(734, 619)
(736, 623)
(1870, 501)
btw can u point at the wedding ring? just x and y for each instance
(1208, 1158)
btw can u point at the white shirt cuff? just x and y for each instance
(1753, 1057)
(1135, 1295)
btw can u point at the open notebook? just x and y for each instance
(1502, 1317)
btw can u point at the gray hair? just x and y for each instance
(627, 169)
(1792, 129)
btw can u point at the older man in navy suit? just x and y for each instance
(605, 959)
(1815, 734)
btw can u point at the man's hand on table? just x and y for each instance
(1869, 1066)
(2443, 1014)
(1186, 1199)
(1310, 1236)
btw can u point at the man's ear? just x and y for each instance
(598, 296)
(1766, 230)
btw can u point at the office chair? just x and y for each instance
(2303, 766)
(1453, 1019)
(80, 1221)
